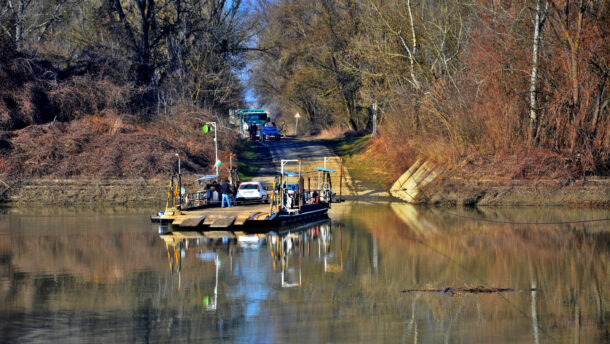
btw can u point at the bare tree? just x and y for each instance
(30, 20)
(538, 22)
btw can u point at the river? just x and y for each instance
(386, 273)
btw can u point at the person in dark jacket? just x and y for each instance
(254, 130)
(226, 191)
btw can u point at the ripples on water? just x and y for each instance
(108, 275)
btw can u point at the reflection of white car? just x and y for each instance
(251, 191)
(251, 241)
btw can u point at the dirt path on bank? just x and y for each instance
(312, 154)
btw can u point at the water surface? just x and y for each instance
(108, 275)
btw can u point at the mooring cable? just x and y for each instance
(527, 222)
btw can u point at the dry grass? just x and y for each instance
(360, 159)
(332, 132)
(109, 145)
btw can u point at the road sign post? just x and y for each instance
(231, 167)
(296, 126)
(206, 129)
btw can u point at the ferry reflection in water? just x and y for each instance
(296, 244)
(287, 250)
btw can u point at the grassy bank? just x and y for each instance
(469, 184)
(371, 169)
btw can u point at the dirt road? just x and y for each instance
(312, 154)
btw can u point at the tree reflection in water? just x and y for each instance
(111, 277)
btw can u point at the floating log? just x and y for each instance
(472, 290)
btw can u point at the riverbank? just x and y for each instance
(374, 174)
(592, 192)
(258, 160)
(88, 191)
(366, 178)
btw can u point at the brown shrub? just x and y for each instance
(331, 132)
(105, 147)
(479, 122)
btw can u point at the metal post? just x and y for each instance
(213, 124)
(171, 191)
(282, 191)
(280, 201)
(216, 147)
(179, 183)
(300, 187)
(374, 120)
(231, 168)
(320, 181)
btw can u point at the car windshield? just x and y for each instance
(248, 186)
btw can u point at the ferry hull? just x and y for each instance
(242, 218)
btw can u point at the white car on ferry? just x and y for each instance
(251, 192)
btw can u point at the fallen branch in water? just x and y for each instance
(472, 290)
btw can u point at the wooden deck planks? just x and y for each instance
(222, 222)
(221, 217)
(192, 221)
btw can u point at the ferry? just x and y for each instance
(288, 204)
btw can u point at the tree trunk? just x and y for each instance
(145, 69)
(533, 106)
(414, 47)
(19, 24)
